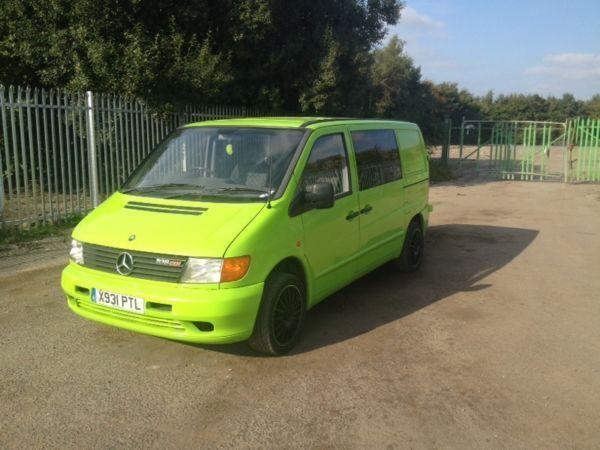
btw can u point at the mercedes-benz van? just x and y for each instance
(231, 230)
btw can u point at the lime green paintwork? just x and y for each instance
(232, 311)
(330, 250)
(208, 234)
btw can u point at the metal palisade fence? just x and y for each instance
(525, 150)
(61, 152)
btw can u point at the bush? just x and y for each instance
(439, 171)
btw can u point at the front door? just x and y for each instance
(331, 235)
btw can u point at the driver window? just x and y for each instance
(328, 163)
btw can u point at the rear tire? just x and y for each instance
(413, 250)
(281, 315)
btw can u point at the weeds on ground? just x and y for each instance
(439, 171)
(17, 235)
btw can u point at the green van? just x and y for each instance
(231, 230)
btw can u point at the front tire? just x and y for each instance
(281, 315)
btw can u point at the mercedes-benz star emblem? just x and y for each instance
(124, 263)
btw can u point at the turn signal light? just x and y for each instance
(234, 268)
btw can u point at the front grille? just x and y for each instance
(131, 317)
(144, 264)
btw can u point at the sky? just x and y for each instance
(544, 47)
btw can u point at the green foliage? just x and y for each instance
(456, 103)
(531, 107)
(439, 172)
(275, 54)
(323, 96)
(15, 235)
(280, 56)
(592, 107)
(397, 90)
(395, 79)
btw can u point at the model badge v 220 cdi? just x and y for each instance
(231, 230)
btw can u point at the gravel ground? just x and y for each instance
(495, 343)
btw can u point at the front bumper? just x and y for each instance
(171, 309)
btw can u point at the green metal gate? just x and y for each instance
(514, 150)
(583, 146)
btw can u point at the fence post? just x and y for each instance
(567, 151)
(446, 143)
(1, 176)
(1, 193)
(91, 143)
(4, 137)
(462, 141)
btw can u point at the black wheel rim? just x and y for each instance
(416, 247)
(287, 314)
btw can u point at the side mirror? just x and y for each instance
(319, 196)
(314, 196)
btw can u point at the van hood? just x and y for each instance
(184, 228)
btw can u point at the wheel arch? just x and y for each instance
(295, 266)
(419, 219)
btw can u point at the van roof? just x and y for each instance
(298, 122)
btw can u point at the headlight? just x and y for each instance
(215, 270)
(202, 270)
(76, 252)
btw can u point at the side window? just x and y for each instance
(328, 163)
(413, 155)
(377, 157)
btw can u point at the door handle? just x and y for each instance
(352, 215)
(366, 210)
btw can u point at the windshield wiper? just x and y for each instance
(242, 189)
(162, 186)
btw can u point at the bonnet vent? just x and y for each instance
(169, 209)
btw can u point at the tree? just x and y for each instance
(398, 91)
(281, 56)
(269, 53)
(456, 103)
(395, 81)
(592, 107)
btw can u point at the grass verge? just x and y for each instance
(17, 235)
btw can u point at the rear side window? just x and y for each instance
(414, 158)
(328, 163)
(377, 157)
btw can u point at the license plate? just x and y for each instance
(118, 301)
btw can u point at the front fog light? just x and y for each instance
(76, 252)
(202, 270)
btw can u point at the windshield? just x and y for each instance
(229, 162)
